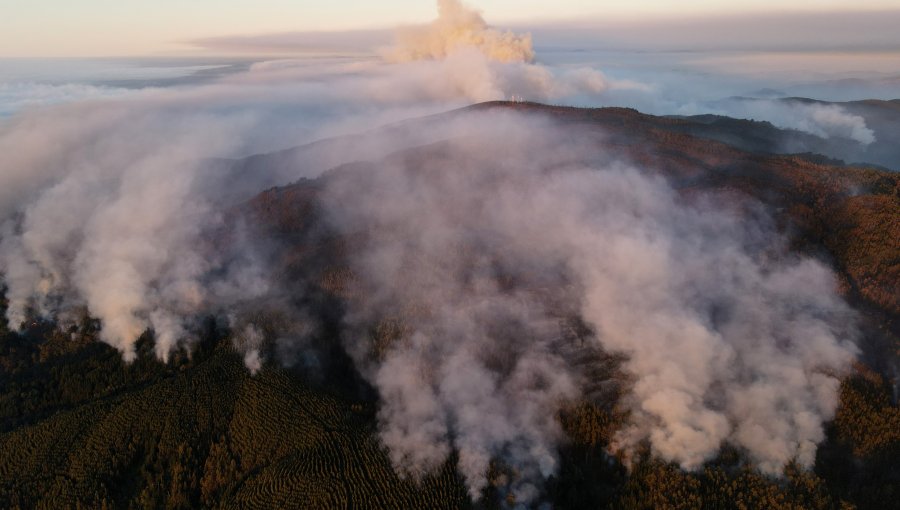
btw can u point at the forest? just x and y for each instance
(81, 428)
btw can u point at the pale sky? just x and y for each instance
(62, 28)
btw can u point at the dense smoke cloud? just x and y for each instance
(105, 219)
(459, 27)
(823, 120)
(459, 54)
(482, 247)
(19, 96)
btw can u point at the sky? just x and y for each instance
(98, 28)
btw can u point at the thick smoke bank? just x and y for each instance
(458, 27)
(17, 96)
(478, 249)
(111, 220)
(475, 251)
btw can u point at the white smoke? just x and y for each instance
(482, 245)
(250, 341)
(823, 120)
(833, 120)
(470, 74)
(104, 199)
(117, 227)
(457, 28)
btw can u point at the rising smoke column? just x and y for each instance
(459, 54)
(456, 28)
(102, 202)
(479, 247)
(110, 221)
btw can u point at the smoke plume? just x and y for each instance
(480, 248)
(458, 27)
(479, 242)
(823, 120)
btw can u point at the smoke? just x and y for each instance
(250, 341)
(459, 55)
(479, 248)
(16, 96)
(456, 28)
(471, 74)
(832, 120)
(823, 120)
(104, 201)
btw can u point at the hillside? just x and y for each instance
(81, 428)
